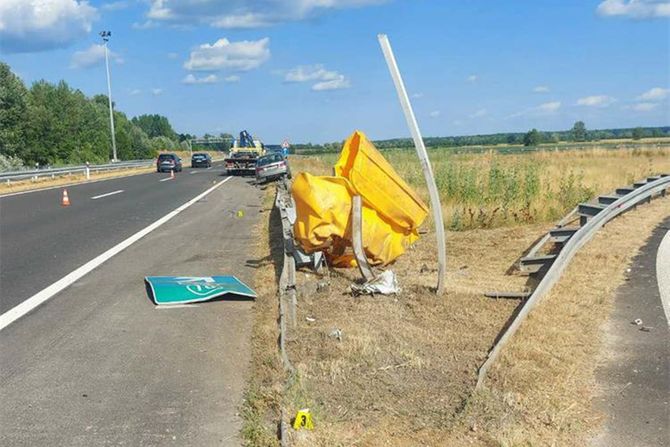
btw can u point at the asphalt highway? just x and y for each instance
(99, 363)
(41, 241)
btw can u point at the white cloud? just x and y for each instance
(338, 83)
(472, 78)
(417, 95)
(596, 101)
(135, 92)
(325, 79)
(147, 24)
(244, 13)
(305, 73)
(541, 89)
(190, 79)
(223, 54)
(644, 106)
(156, 91)
(434, 114)
(172, 55)
(479, 113)
(655, 94)
(232, 78)
(546, 108)
(37, 25)
(549, 107)
(115, 6)
(93, 55)
(636, 9)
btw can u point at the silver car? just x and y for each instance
(271, 167)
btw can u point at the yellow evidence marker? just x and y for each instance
(303, 419)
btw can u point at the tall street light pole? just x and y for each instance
(105, 38)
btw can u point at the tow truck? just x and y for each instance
(243, 155)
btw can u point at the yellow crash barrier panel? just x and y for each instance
(392, 212)
(375, 180)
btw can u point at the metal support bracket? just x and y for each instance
(357, 239)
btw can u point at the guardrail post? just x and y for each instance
(88, 171)
(435, 205)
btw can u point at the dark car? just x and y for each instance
(272, 166)
(201, 159)
(168, 162)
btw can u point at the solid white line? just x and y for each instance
(663, 274)
(40, 297)
(166, 179)
(107, 195)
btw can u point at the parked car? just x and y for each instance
(168, 162)
(272, 166)
(201, 159)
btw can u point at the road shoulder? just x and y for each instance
(634, 374)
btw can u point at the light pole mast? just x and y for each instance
(105, 38)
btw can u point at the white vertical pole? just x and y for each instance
(423, 158)
(109, 96)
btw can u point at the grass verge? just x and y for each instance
(404, 371)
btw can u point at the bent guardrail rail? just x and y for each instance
(639, 193)
(68, 170)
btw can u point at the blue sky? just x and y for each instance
(312, 70)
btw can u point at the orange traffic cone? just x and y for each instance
(66, 200)
(171, 173)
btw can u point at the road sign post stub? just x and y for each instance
(166, 290)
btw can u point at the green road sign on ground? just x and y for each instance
(195, 289)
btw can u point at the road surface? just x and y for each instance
(98, 363)
(635, 379)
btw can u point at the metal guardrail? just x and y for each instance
(69, 170)
(639, 193)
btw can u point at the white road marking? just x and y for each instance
(43, 295)
(663, 274)
(107, 195)
(67, 185)
(166, 179)
(175, 306)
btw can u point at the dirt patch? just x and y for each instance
(404, 370)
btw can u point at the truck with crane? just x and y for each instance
(243, 155)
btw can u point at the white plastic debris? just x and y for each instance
(310, 319)
(336, 333)
(385, 284)
(637, 322)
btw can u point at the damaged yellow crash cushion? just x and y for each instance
(323, 206)
(323, 212)
(375, 180)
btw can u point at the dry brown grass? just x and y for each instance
(260, 410)
(67, 180)
(489, 190)
(405, 370)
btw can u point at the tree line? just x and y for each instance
(52, 124)
(534, 137)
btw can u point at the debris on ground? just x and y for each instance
(336, 333)
(169, 290)
(386, 284)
